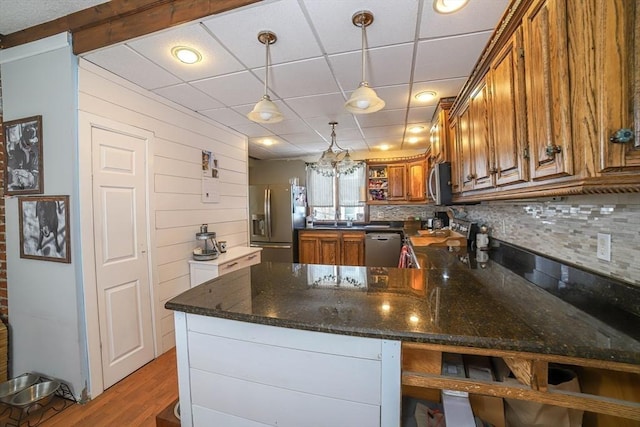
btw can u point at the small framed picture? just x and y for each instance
(23, 173)
(44, 228)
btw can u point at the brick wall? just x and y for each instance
(4, 307)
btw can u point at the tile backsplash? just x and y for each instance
(566, 229)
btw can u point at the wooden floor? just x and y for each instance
(134, 401)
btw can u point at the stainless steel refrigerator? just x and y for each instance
(276, 212)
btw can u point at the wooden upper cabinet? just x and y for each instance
(416, 177)
(465, 147)
(480, 137)
(440, 133)
(508, 114)
(547, 89)
(397, 183)
(618, 83)
(455, 157)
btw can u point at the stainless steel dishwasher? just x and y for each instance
(382, 249)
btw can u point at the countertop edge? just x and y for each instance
(437, 339)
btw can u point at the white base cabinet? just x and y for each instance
(235, 373)
(234, 259)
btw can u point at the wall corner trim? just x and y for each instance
(35, 48)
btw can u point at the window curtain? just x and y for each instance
(319, 187)
(351, 184)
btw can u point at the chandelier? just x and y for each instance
(338, 157)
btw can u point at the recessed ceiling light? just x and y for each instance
(426, 96)
(267, 142)
(416, 129)
(448, 6)
(413, 140)
(186, 54)
(384, 147)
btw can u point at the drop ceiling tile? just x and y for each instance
(421, 115)
(475, 16)
(382, 118)
(394, 143)
(130, 65)
(443, 89)
(448, 58)
(344, 119)
(394, 22)
(288, 125)
(252, 130)
(301, 138)
(348, 66)
(216, 60)
(382, 131)
(233, 89)
(188, 96)
(238, 30)
(302, 78)
(331, 104)
(226, 116)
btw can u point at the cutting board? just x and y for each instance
(453, 239)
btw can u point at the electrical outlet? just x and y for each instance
(604, 247)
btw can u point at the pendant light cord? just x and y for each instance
(362, 20)
(266, 61)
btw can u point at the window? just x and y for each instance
(332, 192)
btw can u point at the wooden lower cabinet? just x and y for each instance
(331, 247)
(352, 248)
(609, 394)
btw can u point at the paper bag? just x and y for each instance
(522, 413)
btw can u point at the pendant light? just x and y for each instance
(364, 99)
(266, 111)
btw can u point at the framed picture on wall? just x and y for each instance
(23, 173)
(44, 228)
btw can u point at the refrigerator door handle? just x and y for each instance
(267, 210)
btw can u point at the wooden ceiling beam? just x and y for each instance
(121, 20)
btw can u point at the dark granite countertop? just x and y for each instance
(445, 302)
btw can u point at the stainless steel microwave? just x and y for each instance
(439, 184)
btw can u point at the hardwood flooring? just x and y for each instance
(135, 401)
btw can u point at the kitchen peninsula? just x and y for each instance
(295, 344)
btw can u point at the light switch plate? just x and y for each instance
(604, 247)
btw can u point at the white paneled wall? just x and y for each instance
(177, 211)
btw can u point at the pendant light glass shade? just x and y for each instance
(266, 111)
(363, 100)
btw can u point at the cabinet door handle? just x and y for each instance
(622, 136)
(550, 150)
(233, 264)
(251, 256)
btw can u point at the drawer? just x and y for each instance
(238, 263)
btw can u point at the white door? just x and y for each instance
(122, 275)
